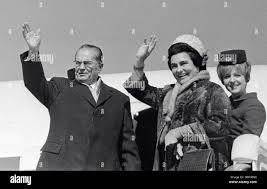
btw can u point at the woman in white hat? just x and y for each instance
(186, 108)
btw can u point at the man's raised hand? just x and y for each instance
(32, 38)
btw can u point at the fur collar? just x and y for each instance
(170, 98)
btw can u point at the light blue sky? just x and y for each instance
(119, 27)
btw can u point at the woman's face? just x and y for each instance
(235, 83)
(182, 67)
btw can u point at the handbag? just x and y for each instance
(195, 160)
(199, 159)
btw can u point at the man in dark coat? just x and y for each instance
(90, 123)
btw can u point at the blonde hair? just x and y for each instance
(244, 69)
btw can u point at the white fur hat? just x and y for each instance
(193, 42)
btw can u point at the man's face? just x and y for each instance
(87, 68)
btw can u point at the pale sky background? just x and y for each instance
(119, 26)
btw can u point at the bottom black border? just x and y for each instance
(86, 178)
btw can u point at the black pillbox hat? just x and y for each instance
(232, 57)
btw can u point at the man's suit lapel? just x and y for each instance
(105, 93)
(84, 92)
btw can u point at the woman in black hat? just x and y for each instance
(187, 106)
(248, 113)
